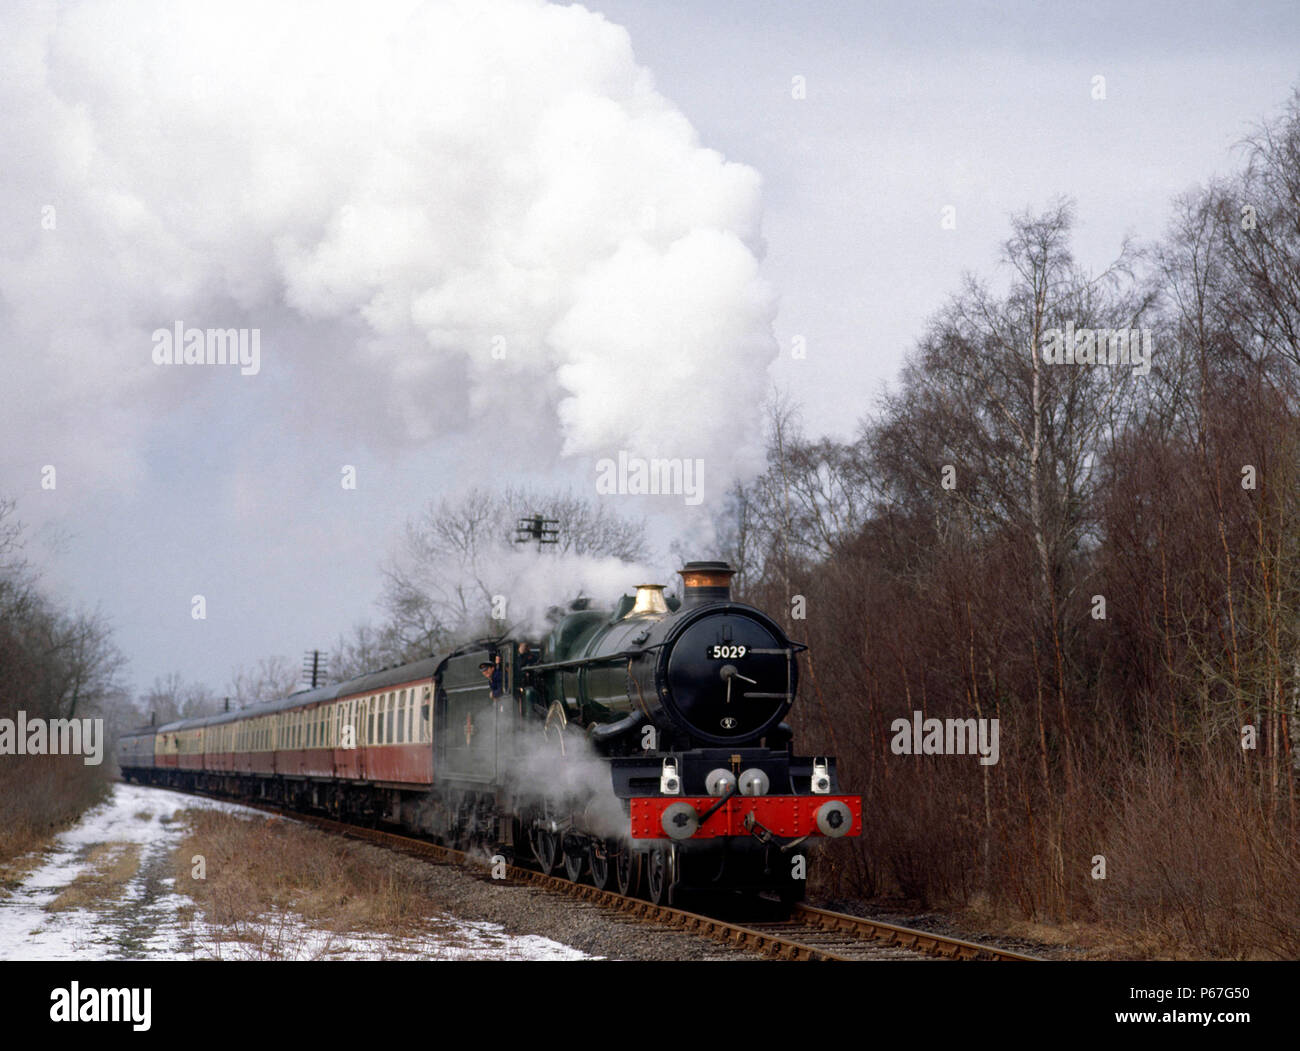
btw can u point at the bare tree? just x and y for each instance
(171, 698)
(271, 679)
(366, 649)
(436, 588)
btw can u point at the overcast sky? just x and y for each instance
(495, 242)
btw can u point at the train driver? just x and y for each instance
(491, 671)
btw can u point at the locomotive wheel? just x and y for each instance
(601, 859)
(546, 849)
(627, 872)
(657, 876)
(575, 860)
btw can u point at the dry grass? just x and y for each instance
(112, 865)
(265, 879)
(39, 797)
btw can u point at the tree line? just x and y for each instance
(1105, 559)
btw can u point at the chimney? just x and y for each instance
(704, 582)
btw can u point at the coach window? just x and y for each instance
(370, 721)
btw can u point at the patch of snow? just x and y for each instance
(144, 922)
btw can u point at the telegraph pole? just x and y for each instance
(314, 668)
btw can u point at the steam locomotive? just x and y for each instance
(643, 748)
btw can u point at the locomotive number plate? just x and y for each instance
(727, 653)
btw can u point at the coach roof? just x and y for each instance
(379, 680)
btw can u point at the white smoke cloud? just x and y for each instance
(519, 584)
(438, 214)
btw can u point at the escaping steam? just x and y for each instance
(438, 216)
(574, 779)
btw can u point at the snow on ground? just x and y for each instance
(143, 922)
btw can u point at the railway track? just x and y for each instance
(810, 933)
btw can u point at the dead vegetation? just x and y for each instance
(270, 887)
(111, 868)
(39, 797)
